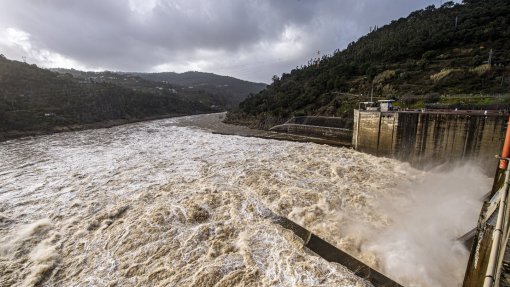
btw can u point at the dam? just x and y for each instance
(427, 138)
(424, 138)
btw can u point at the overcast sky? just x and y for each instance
(248, 39)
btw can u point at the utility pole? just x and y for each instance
(318, 57)
(24, 59)
(372, 92)
(456, 21)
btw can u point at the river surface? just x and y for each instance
(166, 203)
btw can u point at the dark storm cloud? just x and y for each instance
(249, 39)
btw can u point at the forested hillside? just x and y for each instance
(432, 55)
(234, 89)
(35, 100)
(223, 91)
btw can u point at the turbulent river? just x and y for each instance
(164, 203)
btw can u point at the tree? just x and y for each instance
(430, 8)
(448, 4)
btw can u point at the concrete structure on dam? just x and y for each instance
(431, 137)
(330, 128)
(420, 137)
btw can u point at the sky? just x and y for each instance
(248, 39)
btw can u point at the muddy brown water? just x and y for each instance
(169, 203)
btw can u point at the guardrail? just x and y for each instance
(489, 262)
(500, 234)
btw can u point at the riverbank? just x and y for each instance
(211, 122)
(215, 123)
(10, 135)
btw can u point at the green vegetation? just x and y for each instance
(223, 91)
(477, 102)
(35, 100)
(451, 50)
(233, 89)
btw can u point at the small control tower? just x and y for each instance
(386, 105)
(380, 105)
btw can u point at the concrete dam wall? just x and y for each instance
(332, 122)
(337, 129)
(424, 138)
(421, 138)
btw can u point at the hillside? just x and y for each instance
(235, 89)
(447, 55)
(227, 92)
(37, 101)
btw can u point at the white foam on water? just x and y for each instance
(154, 204)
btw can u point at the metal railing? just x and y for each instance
(500, 234)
